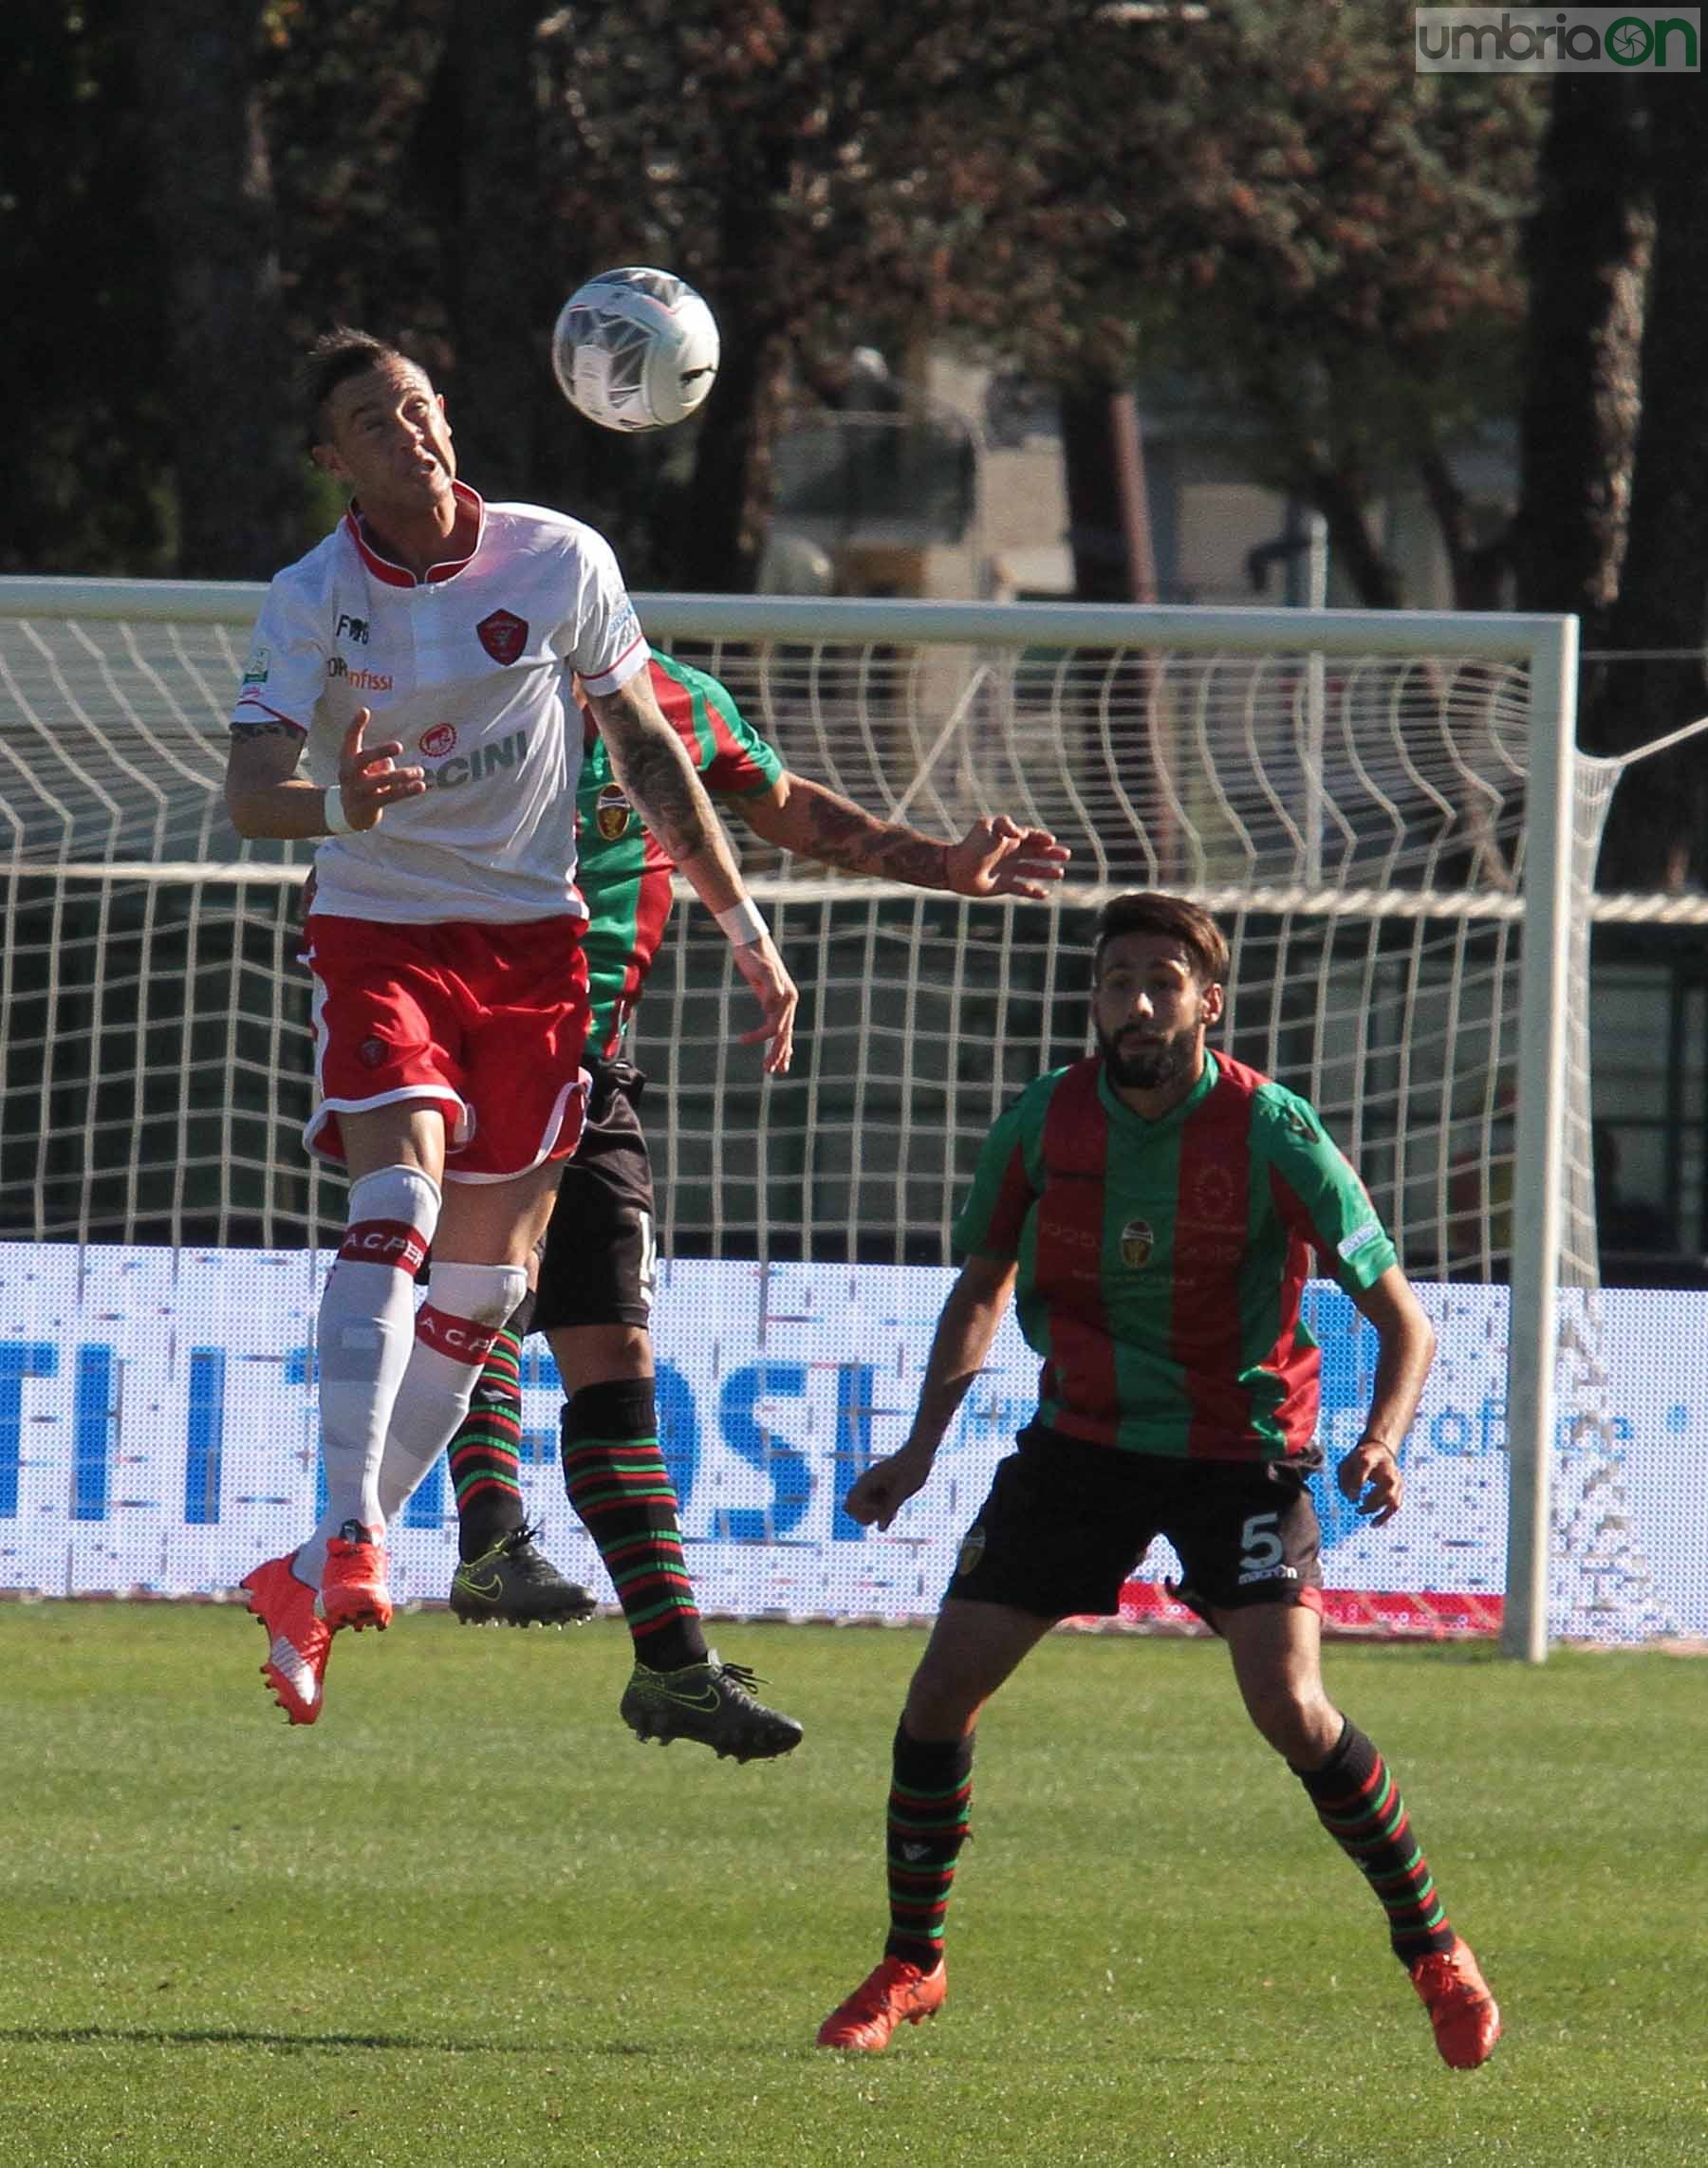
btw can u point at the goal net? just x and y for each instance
(1364, 813)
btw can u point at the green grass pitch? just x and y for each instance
(467, 1920)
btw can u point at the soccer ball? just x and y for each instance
(634, 349)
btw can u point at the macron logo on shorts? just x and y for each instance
(392, 1242)
(460, 1338)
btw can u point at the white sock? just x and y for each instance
(467, 1307)
(363, 1338)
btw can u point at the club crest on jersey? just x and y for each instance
(971, 1549)
(611, 814)
(503, 635)
(1136, 1242)
(1216, 1199)
(435, 743)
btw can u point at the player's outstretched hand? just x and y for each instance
(762, 967)
(1370, 1478)
(369, 778)
(878, 1496)
(996, 856)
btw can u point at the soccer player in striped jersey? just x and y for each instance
(594, 1297)
(1153, 1209)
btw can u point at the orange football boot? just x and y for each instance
(1464, 2014)
(299, 1641)
(353, 1591)
(895, 1993)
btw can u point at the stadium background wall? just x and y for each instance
(158, 1435)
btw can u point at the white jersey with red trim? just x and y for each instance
(471, 669)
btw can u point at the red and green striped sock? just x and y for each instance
(486, 1453)
(1360, 1805)
(614, 1472)
(931, 1789)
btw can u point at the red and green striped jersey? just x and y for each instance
(622, 870)
(1161, 1263)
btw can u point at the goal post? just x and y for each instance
(1380, 804)
(1546, 647)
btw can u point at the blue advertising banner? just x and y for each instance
(158, 1435)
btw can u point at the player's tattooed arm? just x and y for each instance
(265, 796)
(652, 767)
(274, 727)
(994, 858)
(652, 764)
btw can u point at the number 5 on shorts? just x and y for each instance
(1260, 1545)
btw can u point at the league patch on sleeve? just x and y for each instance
(1360, 1238)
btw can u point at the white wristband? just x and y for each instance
(742, 923)
(332, 811)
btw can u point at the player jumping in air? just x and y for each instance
(1155, 1209)
(422, 657)
(594, 1299)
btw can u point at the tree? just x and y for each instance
(1658, 828)
(801, 163)
(233, 452)
(1321, 243)
(83, 366)
(1586, 250)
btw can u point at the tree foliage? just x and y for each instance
(1358, 273)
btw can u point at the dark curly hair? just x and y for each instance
(1149, 912)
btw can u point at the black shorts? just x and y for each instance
(600, 1247)
(1066, 1524)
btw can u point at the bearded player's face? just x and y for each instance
(1150, 1011)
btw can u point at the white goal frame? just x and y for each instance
(1544, 646)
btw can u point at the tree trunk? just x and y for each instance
(236, 452)
(722, 535)
(1658, 829)
(1357, 556)
(499, 290)
(1588, 253)
(1097, 524)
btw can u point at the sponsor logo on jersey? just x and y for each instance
(354, 629)
(472, 767)
(503, 635)
(1214, 1199)
(1360, 1238)
(1138, 1240)
(626, 631)
(1076, 1253)
(435, 743)
(611, 814)
(360, 681)
(257, 668)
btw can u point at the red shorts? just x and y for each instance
(487, 1022)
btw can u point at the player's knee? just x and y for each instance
(627, 1350)
(942, 1701)
(1302, 1726)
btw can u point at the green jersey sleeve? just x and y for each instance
(1007, 1180)
(1317, 1193)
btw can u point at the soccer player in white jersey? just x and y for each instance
(420, 657)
